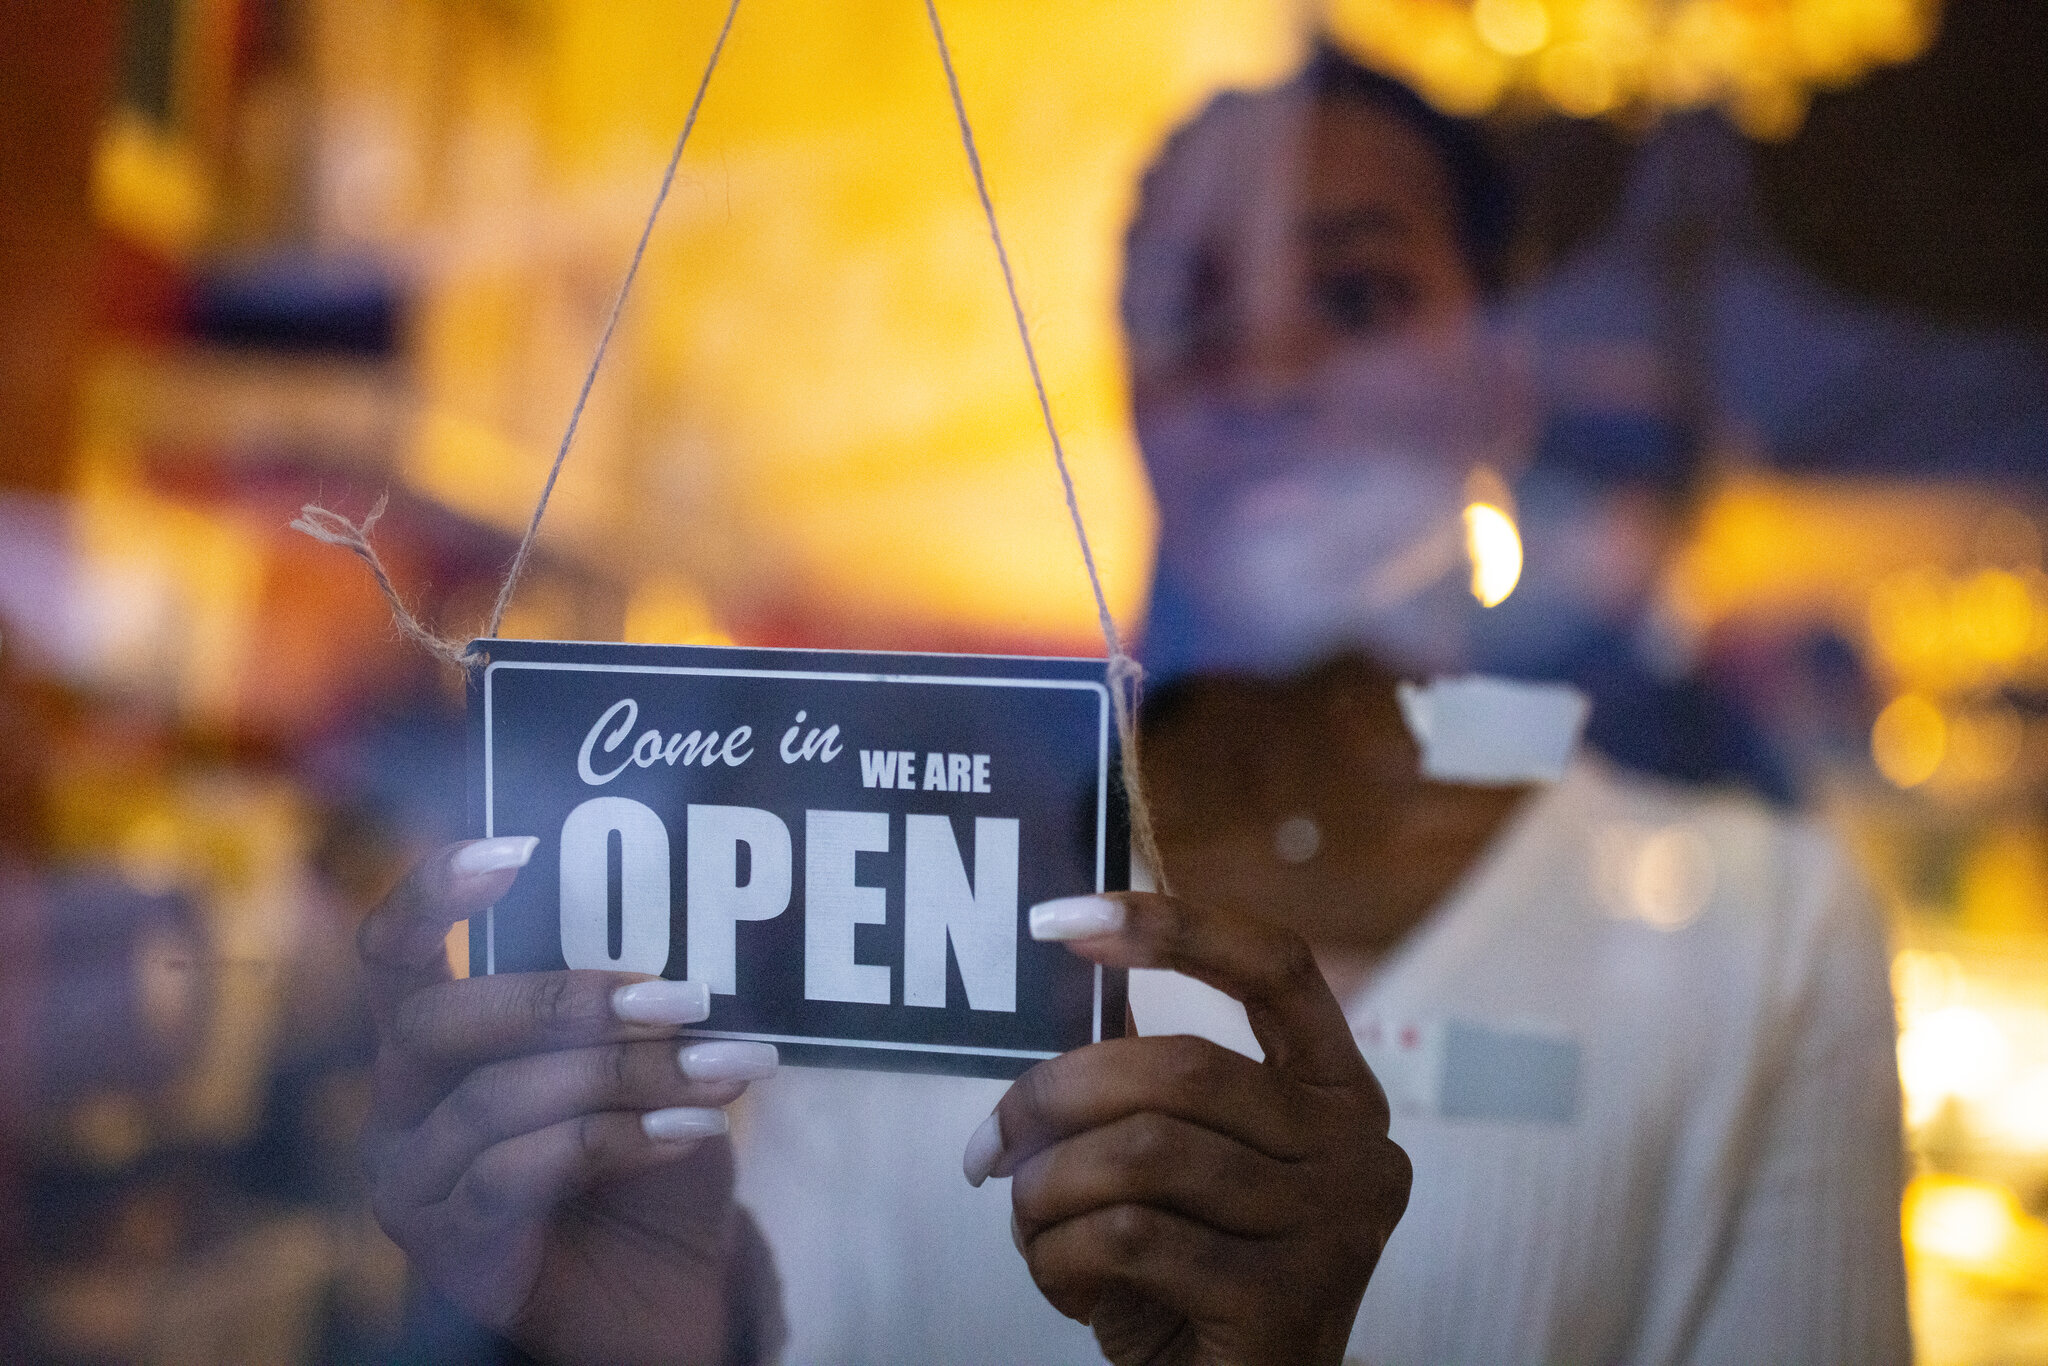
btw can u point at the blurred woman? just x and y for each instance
(1638, 1036)
(1637, 1039)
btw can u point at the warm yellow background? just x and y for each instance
(817, 409)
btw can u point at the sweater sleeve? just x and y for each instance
(1814, 1273)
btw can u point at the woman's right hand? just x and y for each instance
(543, 1152)
(1192, 1206)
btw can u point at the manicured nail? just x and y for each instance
(728, 1061)
(1076, 917)
(493, 856)
(984, 1150)
(662, 1003)
(682, 1123)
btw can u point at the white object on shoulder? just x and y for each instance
(1484, 730)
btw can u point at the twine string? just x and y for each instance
(335, 529)
(354, 537)
(611, 323)
(1123, 674)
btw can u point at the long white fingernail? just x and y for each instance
(728, 1061)
(984, 1150)
(682, 1123)
(494, 856)
(1076, 917)
(662, 1003)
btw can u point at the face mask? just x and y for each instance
(1331, 517)
(1364, 554)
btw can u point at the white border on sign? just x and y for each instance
(1101, 808)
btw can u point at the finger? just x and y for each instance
(438, 1033)
(521, 1095)
(1292, 1012)
(1150, 1159)
(482, 1019)
(1165, 1257)
(1176, 1075)
(402, 942)
(529, 1175)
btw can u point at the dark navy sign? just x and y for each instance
(843, 846)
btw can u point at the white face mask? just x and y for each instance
(1332, 517)
(1359, 554)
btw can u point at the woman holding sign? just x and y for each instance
(1654, 1129)
(1636, 1033)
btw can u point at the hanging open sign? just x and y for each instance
(842, 846)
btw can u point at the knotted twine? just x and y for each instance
(1123, 674)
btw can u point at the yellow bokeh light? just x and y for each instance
(1976, 1227)
(1924, 981)
(1495, 548)
(1514, 28)
(1455, 71)
(1909, 740)
(1957, 1052)
(2018, 1114)
(150, 186)
(1960, 1220)
(1760, 60)
(1578, 80)
(1892, 30)
(1994, 615)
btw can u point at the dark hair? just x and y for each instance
(1160, 273)
(1481, 195)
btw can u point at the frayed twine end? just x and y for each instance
(331, 528)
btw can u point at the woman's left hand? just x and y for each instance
(1190, 1204)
